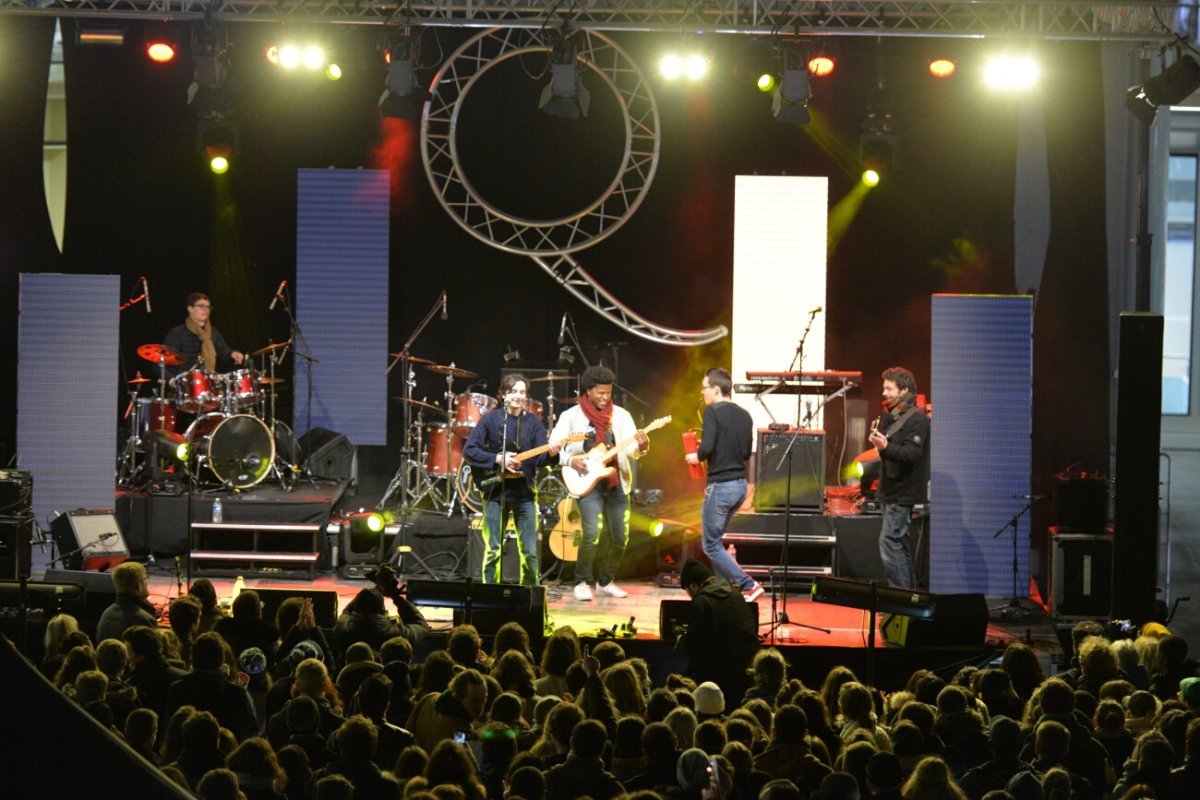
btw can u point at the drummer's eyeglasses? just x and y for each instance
(203, 305)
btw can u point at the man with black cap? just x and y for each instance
(885, 776)
(722, 631)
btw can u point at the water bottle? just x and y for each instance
(732, 551)
(238, 585)
(217, 514)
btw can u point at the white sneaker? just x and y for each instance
(753, 593)
(612, 590)
(583, 591)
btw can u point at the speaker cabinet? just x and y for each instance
(492, 604)
(807, 463)
(510, 565)
(1081, 569)
(1081, 504)
(330, 455)
(325, 604)
(16, 524)
(959, 620)
(89, 539)
(99, 592)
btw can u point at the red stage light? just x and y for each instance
(160, 51)
(820, 66)
(942, 67)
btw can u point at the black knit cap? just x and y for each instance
(693, 572)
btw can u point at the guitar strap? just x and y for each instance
(899, 423)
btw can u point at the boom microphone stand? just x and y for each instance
(1013, 610)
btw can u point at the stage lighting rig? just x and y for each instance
(565, 96)
(402, 96)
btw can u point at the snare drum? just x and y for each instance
(443, 452)
(153, 415)
(241, 389)
(197, 391)
(469, 407)
(238, 450)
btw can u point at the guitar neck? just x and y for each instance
(623, 446)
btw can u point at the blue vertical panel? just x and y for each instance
(68, 339)
(981, 383)
(342, 301)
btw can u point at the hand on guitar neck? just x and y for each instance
(511, 462)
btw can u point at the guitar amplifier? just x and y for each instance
(806, 461)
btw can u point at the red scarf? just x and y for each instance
(601, 421)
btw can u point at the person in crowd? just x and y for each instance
(1086, 756)
(1023, 667)
(312, 681)
(902, 439)
(246, 628)
(203, 590)
(112, 658)
(208, 687)
(199, 341)
(184, 615)
(1130, 664)
(294, 762)
(199, 737)
(366, 620)
(59, 630)
(769, 671)
(1052, 743)
(219, 784)
(360, 664)
(885, 777)
(141, 732)
(1004, 738)
(511, 483)
(374, 697)
(560, 651)
(1110, 731)
(356, 741)
(258, 772)
(722, 634)
(856, 707)
(995, 689)
(459, 709)
(605, 423)
(130, 607)
(725, 449)
(1080, 632)
(150, 672)
(583, 772)
(932, 780)
(451, 764)
(788, 754)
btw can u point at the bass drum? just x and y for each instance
(464, 483)
(238, 450)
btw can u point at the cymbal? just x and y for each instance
(422, 404)
(156, 353)
(551, 378)
(269, 381)
(139, 379)
(271, 347)
(413, 359)
(457, 372)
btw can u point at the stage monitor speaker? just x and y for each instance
(100, 592)
(807, 459)
(89, 539)
(330, 455)
(676, 545)
(1136, 506)
(492, 604)
(325, 604)
(674, 613)
(959, 620)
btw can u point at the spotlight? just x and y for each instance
(565, 96)
(313, 57)
(333, 72)
(217, 141)
(1173, 85)
(942, 67)
(365, 522)
(821, 65)
(171, 445)
(1011, 73)
(105, 37)
(402, 97)
(160, 49)
(876, 152)
(790, 103)
(766, 82)
(206, 95)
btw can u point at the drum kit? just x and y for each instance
(228, 419)
(437, 474)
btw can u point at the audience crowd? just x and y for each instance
(243, 707)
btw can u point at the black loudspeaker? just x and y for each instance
(325, 604)
(959, 620)
(1081, 504)
(1081, 569)
(98, 587)
(17, 523)
(92, 537)
(807, 457)
(1139, 413)
(492, 604)
(330, 455)
(673, 613)
(510, 563)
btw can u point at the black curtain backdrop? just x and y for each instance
(142, 202)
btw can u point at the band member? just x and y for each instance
(198, 339)
(491, 449)
(606, 423)
(726, 446)
(902, 439)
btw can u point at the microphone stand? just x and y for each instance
(301, 349)
(1013, 610)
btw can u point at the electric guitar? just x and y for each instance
(528, 454)
(579, 483)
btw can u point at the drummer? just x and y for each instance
(199, 340)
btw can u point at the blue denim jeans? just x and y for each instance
(721, 502)
(613, 503)
(525, 514)
(895, 545)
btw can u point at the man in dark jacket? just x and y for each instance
(208, 688)
(130, 606)
(366, 620)
(722, 632)
(902, 438)
(583, 773)
(150, 673)
(788, 755)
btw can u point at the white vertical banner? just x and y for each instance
(779, 248)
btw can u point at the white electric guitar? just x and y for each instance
(597, 466)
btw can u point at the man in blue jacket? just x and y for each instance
(509, 483)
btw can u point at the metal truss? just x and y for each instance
(1128, 21)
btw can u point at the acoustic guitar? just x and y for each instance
(528, 454)
(564, 537)
(579, 483)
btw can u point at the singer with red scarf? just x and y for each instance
(603, 422)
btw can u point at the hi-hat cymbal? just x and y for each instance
(551, 378)
(269, 381)
(139, 379)
(413, 359)
(457, 372)
(161, 353)
(421, 404)
(271, 347)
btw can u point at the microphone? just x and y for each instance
(104, 537)
(815, 311)
(562, 328)
(146, 292)
(444, 314)
(278, 294)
